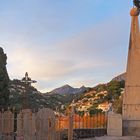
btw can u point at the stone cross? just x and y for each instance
(28, 81)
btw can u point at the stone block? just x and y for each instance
(114, 125)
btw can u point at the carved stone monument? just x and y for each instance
(27, 82)
(131, 99)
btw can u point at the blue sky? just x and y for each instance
(76, 42)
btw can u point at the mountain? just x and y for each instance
(66, 89)
(86, 99)
(35, 98)
(120, 77)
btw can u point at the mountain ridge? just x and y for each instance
(67, 89)
(83, 96)
(120, 77)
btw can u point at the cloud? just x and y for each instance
(46, 67)
(88, 57)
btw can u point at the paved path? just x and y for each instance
(113, 138)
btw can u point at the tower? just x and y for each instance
(131, 99)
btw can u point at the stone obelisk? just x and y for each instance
(131, 99)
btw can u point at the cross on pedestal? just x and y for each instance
(27, 83)
(137, 3)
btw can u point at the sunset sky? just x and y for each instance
(58, 42)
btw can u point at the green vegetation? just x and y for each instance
(4, 81)
(80, 113)
(110, 92)
(95, 111)
(114, 90)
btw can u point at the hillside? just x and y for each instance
(35, 98)
(86, 99)
(100, 98)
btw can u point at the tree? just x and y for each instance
(114, 90)
(4, 81)
(95, 111)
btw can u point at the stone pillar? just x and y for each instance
(20, 126)
(8, 125)
(45, 125)
(28, 125)
(114, 124)
(131, 99)
(70, 128)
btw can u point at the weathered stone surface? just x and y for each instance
(132, 87)
(131, 128)
(28, 125)
(20, 124)
(134, 11)
(8, 123)
(45, 124)
(131, 99)
(114, 125)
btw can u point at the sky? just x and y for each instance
(58, 42)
